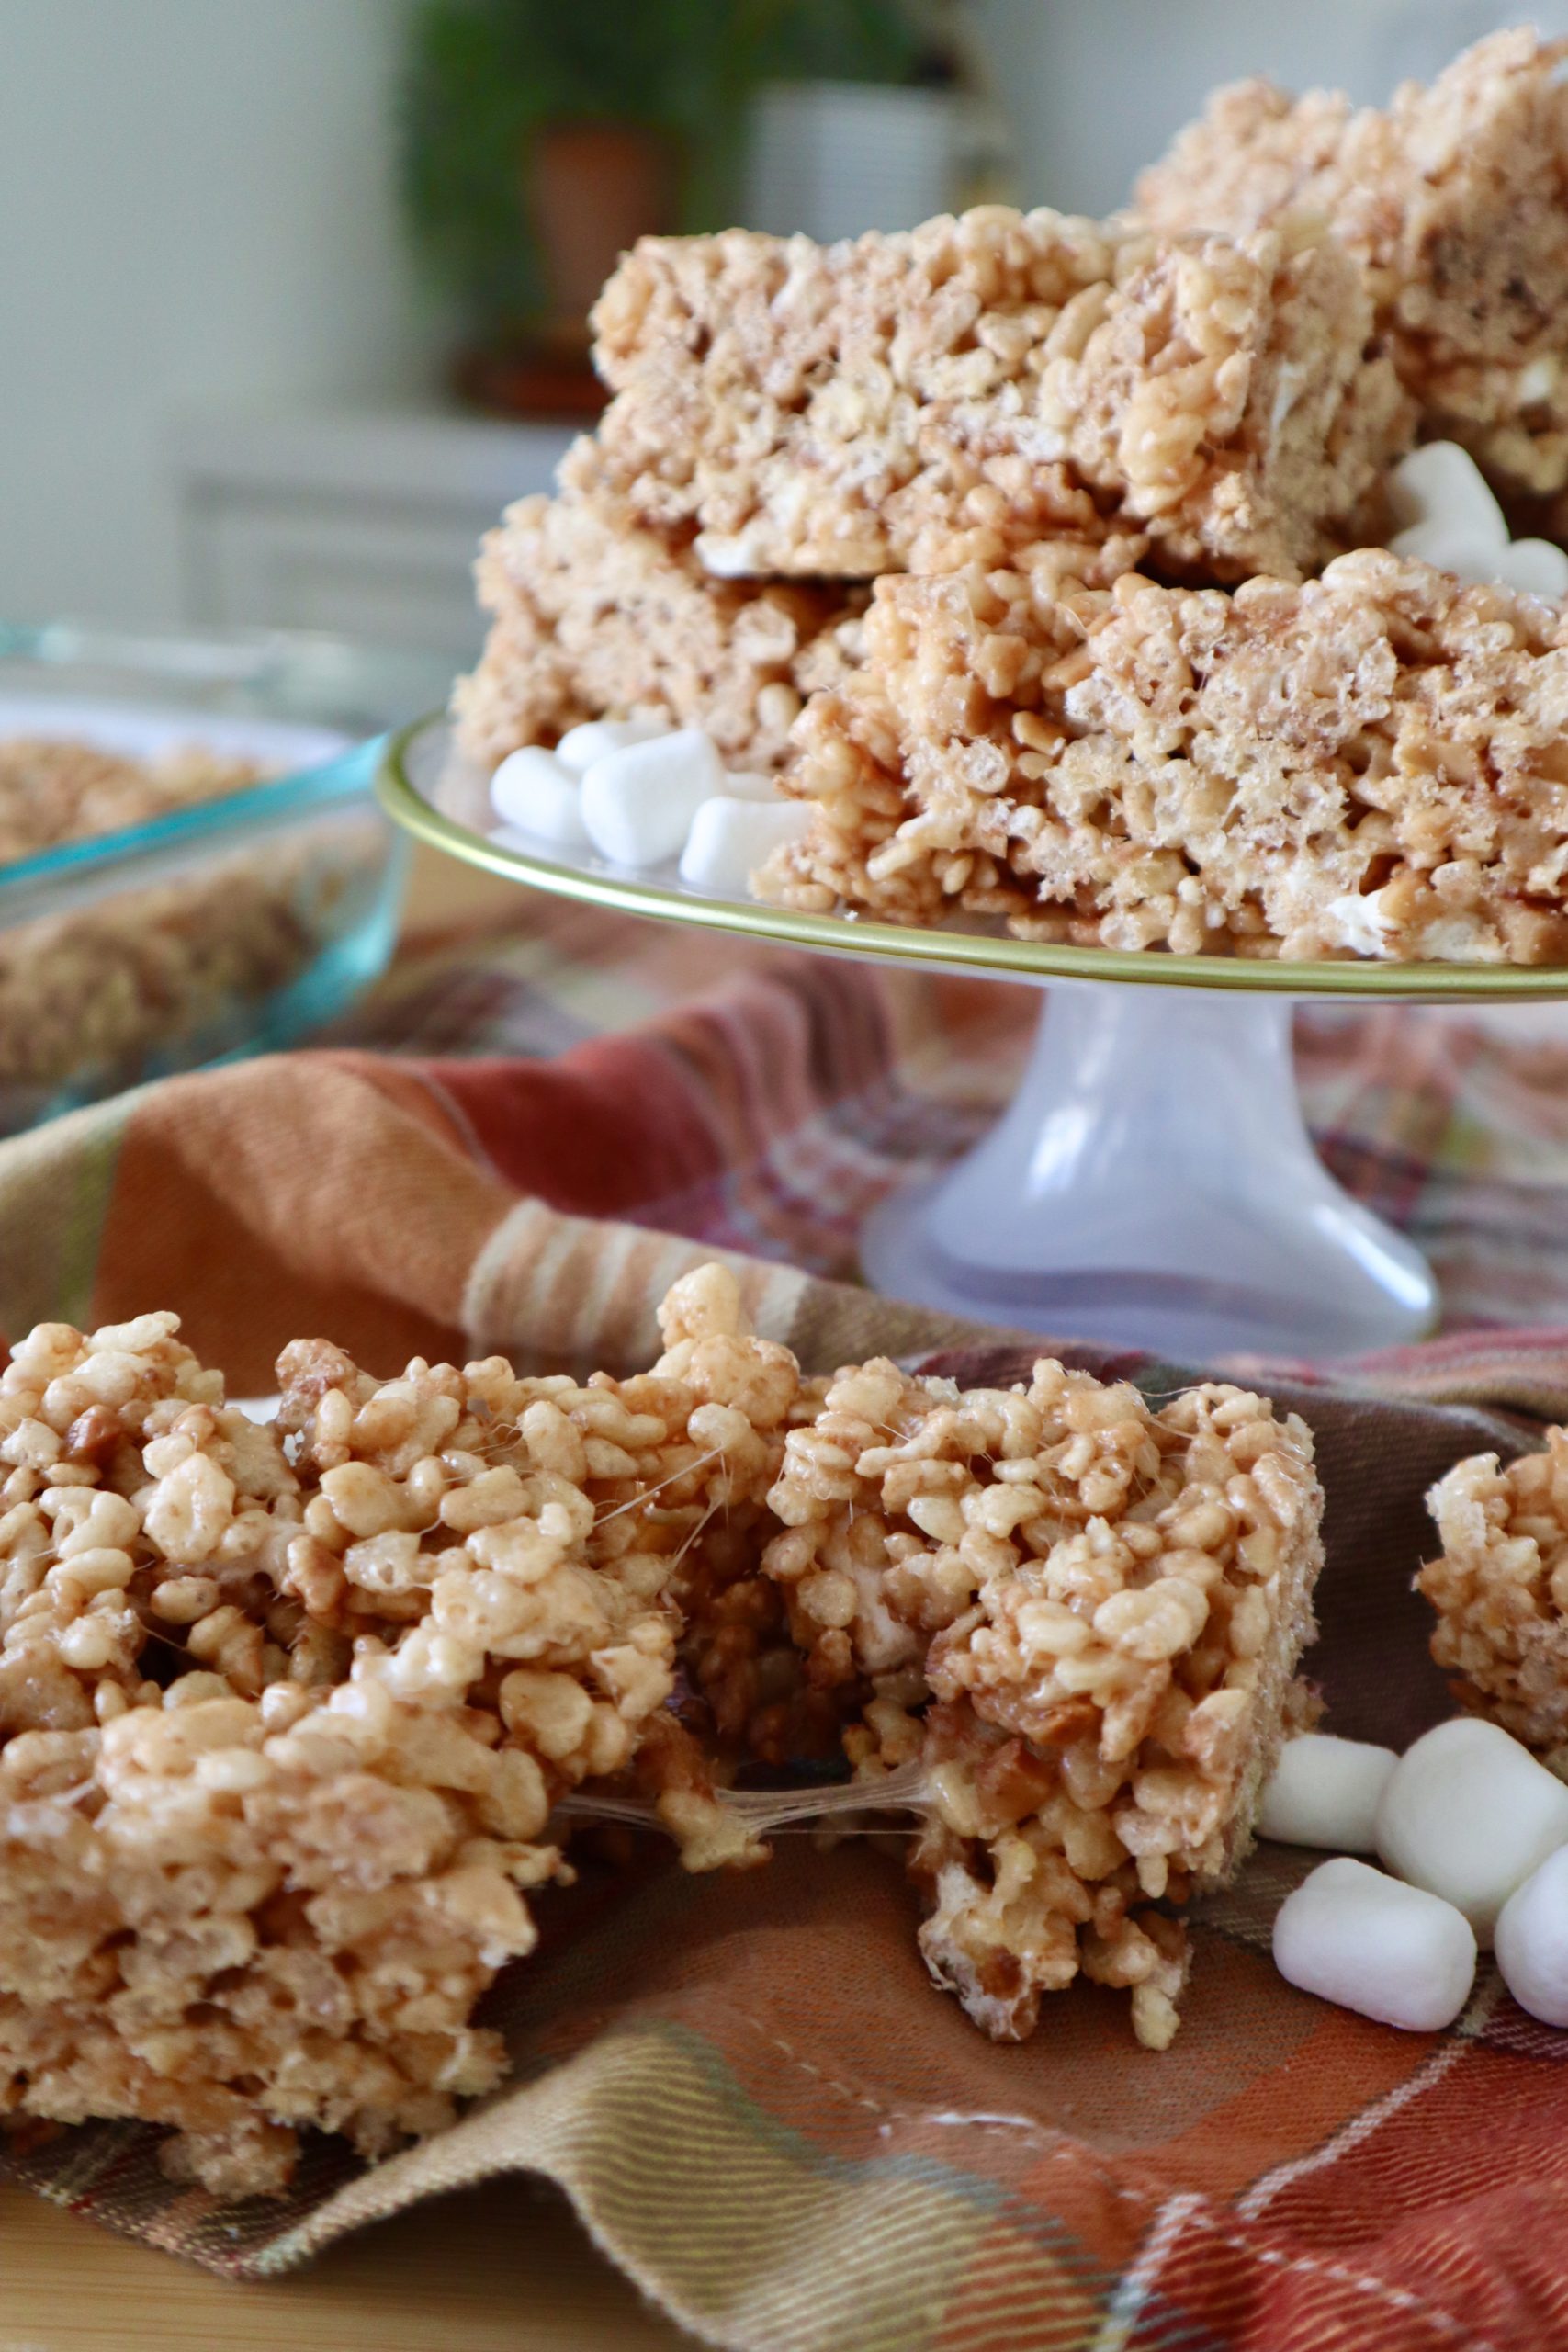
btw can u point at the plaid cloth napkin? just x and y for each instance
(760, 2106)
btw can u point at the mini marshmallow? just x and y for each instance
(581, 746)
(639, 802)
(1533, 1941)
(745, 784)
(1324, 1791)
(1386, 1951)
(1442, 483)
(533, 791)
(730, 839)
(257, 1409)
(1359, 922)
(1454, 546)
(1535, 568)
(1469, 1814)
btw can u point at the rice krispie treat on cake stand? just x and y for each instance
(1368, 765)
(854, 408)
(1104, 1605)
(593, 613)
(1456, 201)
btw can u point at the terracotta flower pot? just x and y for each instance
(594, 188)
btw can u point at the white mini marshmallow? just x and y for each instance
(1469, 1814)
(1454, 546)
(746, 784)
(533, 791)
(1536, 567)
(257, 1409)
(1359, 922)
(1387, 1950)
(729, 839)
(581, 746)
(1324, 1791)
(639, 802)
(1533, 1941)
(1442, 483)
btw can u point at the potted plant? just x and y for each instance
(542, 138)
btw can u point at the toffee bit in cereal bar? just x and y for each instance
(1454, 198)
(1500, 1591)
(593, 614)
(1104, 1605)
(1370, 763)
(999, 378)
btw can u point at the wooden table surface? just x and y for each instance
(505, 2268)
(501, 2268)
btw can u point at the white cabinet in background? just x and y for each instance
(362, 522)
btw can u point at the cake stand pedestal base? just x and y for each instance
(1154, 1185)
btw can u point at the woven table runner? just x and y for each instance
(761, 2110)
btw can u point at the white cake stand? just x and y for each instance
(1153, 1183)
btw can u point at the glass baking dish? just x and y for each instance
(223, 927)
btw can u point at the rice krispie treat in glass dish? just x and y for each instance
(1454, 198)
(1500, 1591)
(850, 410)
(1368, 763)
(54, 790)
(1105, 1604)
(595, 616)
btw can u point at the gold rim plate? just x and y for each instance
(425, 747)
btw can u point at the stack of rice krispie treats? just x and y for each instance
(1044, 559)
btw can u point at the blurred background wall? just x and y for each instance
(196, 204)
(221, 370)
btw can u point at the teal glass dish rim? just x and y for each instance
(255, 808)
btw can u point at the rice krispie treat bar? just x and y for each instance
(1107, 1605)
(54, 790)
(990, 381)
(1366, 764)
(1500, 1591)
(1456, 199)
(596, 617)
(163, 967)
(285, 1712)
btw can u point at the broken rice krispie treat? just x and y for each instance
(595, 616)
(1369, 764)
(1456, 199)
(1106, 1605)
(995, 379)
(1500, 1589)
(284, 1712)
